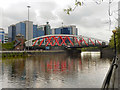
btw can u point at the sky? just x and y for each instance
(91, 19)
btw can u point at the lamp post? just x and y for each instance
(114, 32)
(28, 26)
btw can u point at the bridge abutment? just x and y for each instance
(106, 53)
(73, 50)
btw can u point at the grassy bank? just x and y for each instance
(13, 55)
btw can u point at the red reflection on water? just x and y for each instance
(56, 66)
(59, 66)
(63, 66)
(80, 64)
(49, 65)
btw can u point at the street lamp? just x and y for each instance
(28, 26)
(114, 32)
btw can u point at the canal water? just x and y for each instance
(85, 70)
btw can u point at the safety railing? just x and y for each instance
(111, 79)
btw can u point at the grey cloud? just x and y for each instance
(19, 12)
(15, 13)
(46, 12)
(44, 5)
(88, 17)
(1, 17)
(47, 15)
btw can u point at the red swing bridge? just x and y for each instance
(63, 40)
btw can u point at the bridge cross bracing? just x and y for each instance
(65, 40)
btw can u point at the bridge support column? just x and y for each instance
(73, 50)
(106, 53)
(101, 53)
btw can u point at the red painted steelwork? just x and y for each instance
(92, 41)
(99, 42)
(36, 41)
(78, 41)
(52, 40)
(41, 42)
(84, 41)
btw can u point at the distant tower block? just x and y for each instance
(47, 28)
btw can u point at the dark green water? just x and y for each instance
(85, 70)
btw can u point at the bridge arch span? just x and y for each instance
(65, 40)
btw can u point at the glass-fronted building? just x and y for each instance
(5, 37)
(65, 30)
(47, 29)
(2, 35)
(76, 31)
(40, 32)
(43, 30)
(21, 29)
(11, 33)
(34, 31)
(71, 30)
(58, 30)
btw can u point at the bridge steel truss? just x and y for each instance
(65, 40)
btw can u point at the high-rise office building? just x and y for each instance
(47, 29)
(40, 31)
(2, 35)
(57, 30)
(29, 30)
(34, 31)
(11, 33)
(74, 30)
(21, 28)
(5, 37)
(52, 31)
(71, 30)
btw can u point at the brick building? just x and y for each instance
(19, 42)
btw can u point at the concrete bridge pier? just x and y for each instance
(73, 51)
(106, 53)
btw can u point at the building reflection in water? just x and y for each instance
(54, 70)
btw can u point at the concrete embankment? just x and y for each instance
(45, 52)
(107, 53)
(28, 53)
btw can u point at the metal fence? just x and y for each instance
(111, 79)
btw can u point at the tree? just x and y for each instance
(118, 39)
(8, 46)
(79, 3)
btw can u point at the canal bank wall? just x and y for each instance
(28, 53)
(32, 53)
(105, 53)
